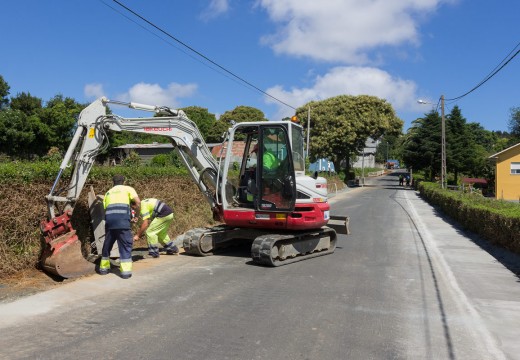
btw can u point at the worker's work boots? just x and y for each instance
(172, 250)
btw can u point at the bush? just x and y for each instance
(170, 159)
(132, 160)
(160, 160)
(24, 207)
(497, 221)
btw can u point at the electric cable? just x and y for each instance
(493, 73)
(206, 58)
(170, 43)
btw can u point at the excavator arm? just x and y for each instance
(62, 252)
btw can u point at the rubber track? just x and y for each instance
(191, 241)
(261, 249)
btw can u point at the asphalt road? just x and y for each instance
(406, 284)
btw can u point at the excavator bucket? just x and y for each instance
(63, 257)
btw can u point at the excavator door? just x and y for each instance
(276, 181)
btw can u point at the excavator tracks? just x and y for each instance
(197, 242)
(279, 249)
(267, 249)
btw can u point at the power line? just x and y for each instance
(493, 72)
(235, 76)
(171, 43)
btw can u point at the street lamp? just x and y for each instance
(443, 141)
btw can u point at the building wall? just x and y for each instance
(507, 184)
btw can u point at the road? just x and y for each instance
(406, 284)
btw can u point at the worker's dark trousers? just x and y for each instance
(124, 242)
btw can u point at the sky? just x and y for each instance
(294, 50)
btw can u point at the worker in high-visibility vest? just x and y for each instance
(269, 160)
(117, 204)
(157, 217)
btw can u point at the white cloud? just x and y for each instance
(344, 30)
(94, 91)
(154, 94)
(215, 9)
(348, 80)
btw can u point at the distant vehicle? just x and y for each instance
(392, 164)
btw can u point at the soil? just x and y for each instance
(27, 282)
(32, 281)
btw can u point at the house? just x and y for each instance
(237, 152)
(367, 158)
(471, 184)
(507, 173)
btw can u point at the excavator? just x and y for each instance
(276, 206)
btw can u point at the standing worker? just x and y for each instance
(117, 203)
(157, 217)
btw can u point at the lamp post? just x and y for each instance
(443, 141)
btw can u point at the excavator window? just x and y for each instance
(276, 183)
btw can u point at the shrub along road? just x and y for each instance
(405, 284)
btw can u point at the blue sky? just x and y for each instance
(295, 50)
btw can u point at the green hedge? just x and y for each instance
(28, 172)
(497, 221)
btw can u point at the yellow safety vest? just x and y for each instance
(117, 206)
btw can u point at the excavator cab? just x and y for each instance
(262, 176)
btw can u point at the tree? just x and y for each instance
(25, 102)
(201, 116)
(17, 133)
(216, 131)
(25, 134)
(242, 114)
(59, 115)
(4, 92)
(514, 125)
(238, 114)
(388, 148)
(468, 146)
(341, 125)
(461, 148)
(422, 145)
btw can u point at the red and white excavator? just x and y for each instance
(284, 212)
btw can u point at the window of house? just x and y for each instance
(515, 168)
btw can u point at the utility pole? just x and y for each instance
(443, 147)
(386, 161)
(363, 169)
(308, 131)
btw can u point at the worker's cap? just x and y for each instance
(118, 179)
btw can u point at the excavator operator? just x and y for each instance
(269, 160)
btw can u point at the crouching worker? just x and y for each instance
(117, 203)
(157, 217)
